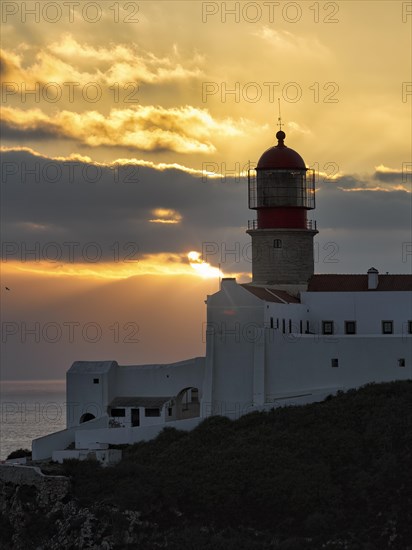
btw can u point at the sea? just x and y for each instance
(30, 409)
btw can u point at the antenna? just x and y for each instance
(279, 117)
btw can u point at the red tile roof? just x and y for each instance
(271, 294)
(358, 283)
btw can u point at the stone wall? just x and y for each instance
(292, 263)
(50, 488)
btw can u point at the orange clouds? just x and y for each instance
(166, 215)
(70, 60)
(145, 128)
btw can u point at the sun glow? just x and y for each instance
(204, 269)
(164, 264)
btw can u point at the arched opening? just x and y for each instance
(86, 417)
(187, 403)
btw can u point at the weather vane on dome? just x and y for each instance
(280, 134)
(279, 117)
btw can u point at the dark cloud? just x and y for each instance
(79, 202)
(391, 176)
(60, 201)
(26, 135)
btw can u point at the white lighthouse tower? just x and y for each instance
(282, 190)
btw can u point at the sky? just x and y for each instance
(127, 128)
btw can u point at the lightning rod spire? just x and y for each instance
(280, 116)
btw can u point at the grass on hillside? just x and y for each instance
(339, 468)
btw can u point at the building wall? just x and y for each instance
(86, 396)
(249, 363)
(117, 436)
(369, 309)
(43, 447)
(305, 363)
(159, 380)
(233, 316)
(292, 314)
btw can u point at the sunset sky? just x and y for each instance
(126, 128)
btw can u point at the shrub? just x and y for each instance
(19, 453)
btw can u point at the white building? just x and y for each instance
(289, 336)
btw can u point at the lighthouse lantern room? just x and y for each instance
(282, 190)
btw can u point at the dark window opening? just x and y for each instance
(410, 327)
(152, 412)
(96, 380)
(135, 417)
(195, 395)
(350, 327)
(271, 322)
(290, 325)
(401, 362)
(86, 417)
(277, 243)
(327, 327)
(334, 362)
(387, 327)
(307, 327)
(118, 412)
(169, 411)
(301, 326)
(283, 326)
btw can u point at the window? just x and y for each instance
(118, 412)
(169, 411)
(327, 327)
(195, 395)
(301, 326)
(151, 412)
(277, 243)
(334, 362)
(271, 322)
(290, 325)
(307, 327)
(350, 327)
(283, 326)
(387, 327)
(409, 327)
(135, 417)
(401, 362)
(96, 380)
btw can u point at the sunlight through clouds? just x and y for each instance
(166, 215)
(146, 128)
(204, 269)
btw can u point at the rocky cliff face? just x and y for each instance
(38, 512)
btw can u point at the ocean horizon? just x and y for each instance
(30, 409)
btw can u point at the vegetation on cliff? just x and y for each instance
(335, 474)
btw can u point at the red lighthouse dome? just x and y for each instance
(280, 157)
(281, 190)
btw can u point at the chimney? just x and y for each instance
(373, 278)
(227, 282)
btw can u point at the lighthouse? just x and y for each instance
(282, 190)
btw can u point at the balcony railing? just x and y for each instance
(310, 224)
